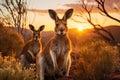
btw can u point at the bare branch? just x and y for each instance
(101, 7)
(13, 4)
(98, 28)
(17, 10)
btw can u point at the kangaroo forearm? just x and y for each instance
(53, 57)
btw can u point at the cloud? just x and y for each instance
(37, 10)
(78, 7)
(110, 5)
(60, 11)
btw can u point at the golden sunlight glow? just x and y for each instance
(80, 28)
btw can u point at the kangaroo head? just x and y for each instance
(36, 33)
(61, 24)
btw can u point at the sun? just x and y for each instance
(80, 28)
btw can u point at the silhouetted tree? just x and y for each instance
(99, 29)
(14, 13)
(104, 11)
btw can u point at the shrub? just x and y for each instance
(10, 69)
(10, 41)
(97, 61)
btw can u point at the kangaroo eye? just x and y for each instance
(57, 25)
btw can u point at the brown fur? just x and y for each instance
(31, 48)
(55, 58)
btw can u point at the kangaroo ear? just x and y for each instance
(68, 14)
(53, 14)
(41, 28)
(31, 27)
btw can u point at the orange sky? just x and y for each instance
(38, 14)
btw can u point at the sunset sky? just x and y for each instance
(38, 13)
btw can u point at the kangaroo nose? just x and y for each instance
(61, 30)
(36, 37)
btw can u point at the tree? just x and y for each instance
(99, 29)
(86, 9)
(101, 7)
(14, 13)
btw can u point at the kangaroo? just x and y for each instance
(31, 48)
(55, 59)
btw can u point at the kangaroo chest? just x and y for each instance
(61, 47)
(35, 48)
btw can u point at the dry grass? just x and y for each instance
(10, 69)
(97, 61)
(94, 60)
